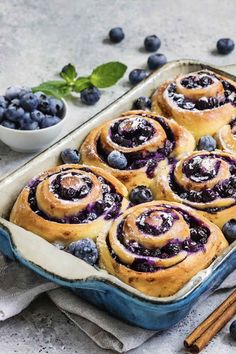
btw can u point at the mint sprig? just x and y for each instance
(103, 76)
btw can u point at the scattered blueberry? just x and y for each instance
(155, 61)
(49, 121)
(8, 124)
(29, 102)
(84, 249)
(70, 156)
(142, 103)
(229, 230)
(12, 92)
(140, 194)
(225, 45)
(117, 160)
(116, 34)
(232, 330)
(152, 43)
(206, 142)
(137, 75)
(37, 116)
(90, 96)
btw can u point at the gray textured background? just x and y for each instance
(37, 38)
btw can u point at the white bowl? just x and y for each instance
(29, 141)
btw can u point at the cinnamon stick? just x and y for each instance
(200, 337)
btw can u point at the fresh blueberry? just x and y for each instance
(117, 160)
(2, 112)
(29, 102)
(13, 92)
(137, 75)
(206, 143)
(152, 43)
(84, 249)
(44, 104)
(229, 230)
(49, 121)
(29, 125)
(3, 102)
(116, 34)
(37, 116)
(225, 45)
(155, 61)
(140, 194)
(232, 330)
(56, 107)
(14, 113)
(40, 95)
(142, 103)
(15, 102)
(8, 124)
(24, 91)
(90, 95)
(70, 156)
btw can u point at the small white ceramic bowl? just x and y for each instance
(29, 141)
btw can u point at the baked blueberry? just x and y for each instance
(137, 75)
(225, 45)
(206, 142)
(56, 107)
(84, 249)
(12, 92)
(117, 160)
(155, 61)
(8, 124)
(70, 156)
(116, 34)
(142, 103)
(90, 96)
(13, 113)
(37, 116)
(49, 121)
(29, 102)
(232, 330)
(140, 194)
(152, 43)
(229, 230)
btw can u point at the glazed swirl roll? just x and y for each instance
(226, 137)
(157, 247)
(70, 202)
(204, 181)
(144, 138)
(202, 102)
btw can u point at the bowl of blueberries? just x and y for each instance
(30, 121)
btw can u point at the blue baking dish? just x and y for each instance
(97, 286)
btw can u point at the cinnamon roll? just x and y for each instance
(157, 247)
(202, 180)
(202, 102)
(70, 202)
(226, 137)
(144, 138)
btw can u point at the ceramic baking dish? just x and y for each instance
(97, 286)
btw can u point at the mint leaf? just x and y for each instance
(107, 74)
(68, 73)
(55, 88)
(81, 83)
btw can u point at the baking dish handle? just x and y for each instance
(5, 242)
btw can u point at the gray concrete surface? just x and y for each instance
(37, 38)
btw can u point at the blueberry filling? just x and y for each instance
(68, 192)
(199, 234)
(201, 168)
(165, 221)
(109, 205)
(203, 103)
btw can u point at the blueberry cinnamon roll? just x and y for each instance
(157, 247)
(143, 139)
(226, 137)
(202, 102)
(70, 202)
(202, 180)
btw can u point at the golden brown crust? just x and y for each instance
(218, 210)
(198, 122)
(56, 207)
(226, 138)
(184, 142)
(173, 272)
